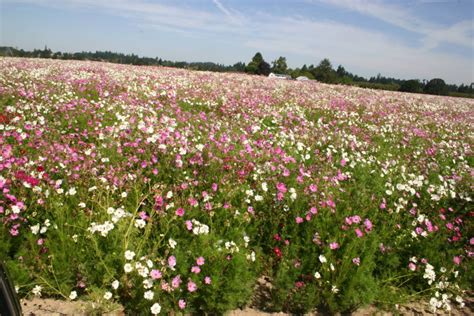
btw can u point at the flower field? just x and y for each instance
(169, 190)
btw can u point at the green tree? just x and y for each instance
(239, 67)
(324, 72)
(279, 65)
(258, 65)
(413, 86)
(264, 68)
(436, 86)
(341, 71)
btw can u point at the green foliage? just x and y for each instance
(279, 66)
(324, 72)
(258, 66)
(436, 86)
(377, 86)
(413, 86)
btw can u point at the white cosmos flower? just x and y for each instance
(140, 223)
(35, 229)
(73, 295)
(199, 147)
(172, 243)
(155, 309)
(322, 259)
(37, 290)
(115, 284)
(129, 255)
(15, 209)
(149, 295)
(147, 284)
(108, 295)
(127, 268)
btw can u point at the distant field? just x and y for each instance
(167, 190)
(461, 95)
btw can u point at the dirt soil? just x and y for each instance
(50, 307)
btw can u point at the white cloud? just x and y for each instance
(356, 48)
(433, 35)
(222, 8)
(234, 16)
(362, 51)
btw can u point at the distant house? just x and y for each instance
(302, 78)
(279, 76)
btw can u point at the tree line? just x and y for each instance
(323, 72)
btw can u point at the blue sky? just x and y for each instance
(405, 39)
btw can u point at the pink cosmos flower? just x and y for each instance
(207, 280)
(334, 245)
(280, 196)
(172, 261)
(331, 203)
(281, 187)
(313, 187)
(155, 274)
(195, 269)
(189, 225)
(192, 286)
(412, 266)
(457, 260)
(356, 261)
(299, 220)
(182, 304)
(356, 219)
(166, 287)
(359, 233)
(200, 261)
(382, 247)
(176, 282)
(192, 201)
(368, 225)
(180, 212)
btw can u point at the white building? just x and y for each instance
(279, 76)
